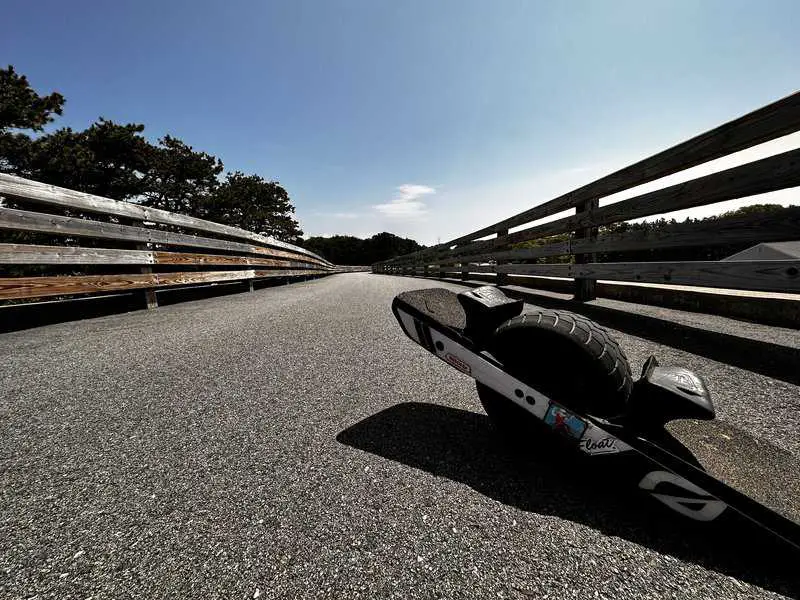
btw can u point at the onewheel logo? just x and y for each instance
(458, 363)
(695, 503)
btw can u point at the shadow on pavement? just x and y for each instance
(770, 359)
(462, 446)
(766, 358)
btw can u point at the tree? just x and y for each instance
(339, 249)
(383, 246)
(116, 161)
(15, 153)
(106, 159)
(250, 202)
(350, 250)
(21, 107)
(180, 179)
(753, 209)
(661, 228)
(544, 241)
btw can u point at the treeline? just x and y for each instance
(349, 250)
(117, 161)
(663, 227)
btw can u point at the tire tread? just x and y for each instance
(591, 342)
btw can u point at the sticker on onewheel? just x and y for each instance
(458, 363)
(563, 421)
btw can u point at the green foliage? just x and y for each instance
(251, 202)
(106, 159)
(178, 178)
(350, 250)
(15, 153)
(21, 107)
(753, 209)
(662, 227)
(116, 161)
(544, 241)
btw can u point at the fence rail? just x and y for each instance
(473, 253)
(169, 249)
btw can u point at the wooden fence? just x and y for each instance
(142, 248)
(473, 253)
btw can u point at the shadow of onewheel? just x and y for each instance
(569, 358)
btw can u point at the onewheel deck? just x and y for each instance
(760, 470)
(704, 470)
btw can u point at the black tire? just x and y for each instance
(567, 357)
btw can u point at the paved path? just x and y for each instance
(291, 443)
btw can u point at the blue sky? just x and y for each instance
(425, 118)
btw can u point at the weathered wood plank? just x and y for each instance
(767, 275)
(554, 249)
(259, 274)
(22, 220)
(29, 254)
(271, 252)
(747, 229)
(769, 122)
(188, 258)
(767, 175)
(18, 188)
(35, 287)
(39, 287)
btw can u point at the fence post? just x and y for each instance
(585, 288)
(501, 278)
(150, 298)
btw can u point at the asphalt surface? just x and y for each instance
(292, 443)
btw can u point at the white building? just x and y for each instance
(769, 251)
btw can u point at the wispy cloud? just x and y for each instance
(337, 215)
(407, 202)
(411, 191)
